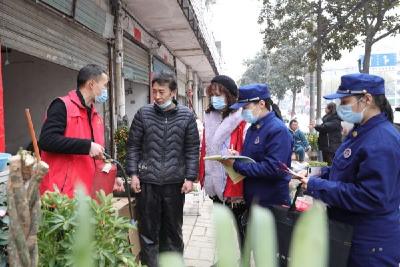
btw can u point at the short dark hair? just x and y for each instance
(89, 72)
(165, 77)
(293, 121)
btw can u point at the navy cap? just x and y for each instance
(359, 83)
(250, 93)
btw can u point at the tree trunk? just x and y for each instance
(24, 209)
(119, 58)
(294, 91)
(312, 97)
(367, 55)
(319, 59)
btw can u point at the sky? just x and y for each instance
(235, 24)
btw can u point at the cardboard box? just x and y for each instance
(122, 207)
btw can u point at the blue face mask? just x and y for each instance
(346, 113)
(218, 102)
(165, 105)
(248, 116)
(102, 98)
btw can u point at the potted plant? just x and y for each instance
(59, 225)
(312, 139)
(121, 139)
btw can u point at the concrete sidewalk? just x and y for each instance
(198, 230)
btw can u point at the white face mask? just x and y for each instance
(248, 115)
(103, 97)
(218, 102)
(165, 105)
(347, 114)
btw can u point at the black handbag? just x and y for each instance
(340, 235)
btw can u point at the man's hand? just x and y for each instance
(135, 184)
(119, 185)
(96, 151)
(187, 187)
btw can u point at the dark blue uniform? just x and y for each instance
(362, 188)
(268, 142)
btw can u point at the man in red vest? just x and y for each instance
(72, 136)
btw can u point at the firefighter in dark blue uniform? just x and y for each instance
(269, 142)
(362, 188)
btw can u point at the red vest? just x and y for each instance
(231, 189)
(66, 171)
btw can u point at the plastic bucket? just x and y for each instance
(4, 160)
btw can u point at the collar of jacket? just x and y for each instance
(371, 123)
(264, 120)
(77, 97)
(166, 112)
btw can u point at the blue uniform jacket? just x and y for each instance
(268, 142)
(362, 188)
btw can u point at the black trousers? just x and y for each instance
(328, 157)
(160, 218)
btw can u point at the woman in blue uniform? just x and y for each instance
(268, 142)
(362, 188)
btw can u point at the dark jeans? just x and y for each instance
(300, 152)
(160, 217)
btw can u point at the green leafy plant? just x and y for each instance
(317, 164)
(121, 139)
(261, 238)
(312, 139)
(309, 246)
(4, 222)
(60, 237)
(309, 241)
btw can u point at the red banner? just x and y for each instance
(2, 130)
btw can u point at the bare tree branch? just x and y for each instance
(386, 34)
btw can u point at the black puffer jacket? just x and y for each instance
(330, 133)
(163, 146)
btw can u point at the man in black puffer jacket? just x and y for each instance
(162, 160)
(330, 133)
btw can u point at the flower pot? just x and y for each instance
(4, 157)
(314, 171)
(313, 155)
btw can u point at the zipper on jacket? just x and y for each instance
(164, 142)
(327, 135)
(65, 181)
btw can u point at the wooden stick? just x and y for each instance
(32, 133)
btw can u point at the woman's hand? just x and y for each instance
(302, 177)
(228, 162)
(233, 152)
